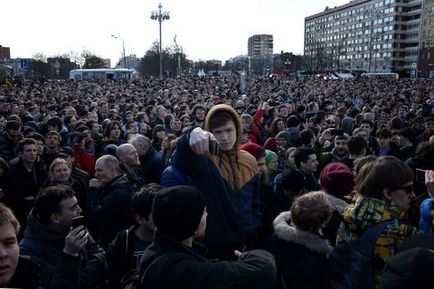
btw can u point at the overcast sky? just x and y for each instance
(206, 29)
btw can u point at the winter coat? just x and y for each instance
(167, 263)
(426, 216)
(59, 270)
(365, 212)
(109, 209)
(152, 165)
(27, 275)
(301, 256)
(231, 187)
(7, 147)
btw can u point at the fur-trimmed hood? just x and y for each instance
(286, 232)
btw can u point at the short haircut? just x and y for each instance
(53, 132)
(384, 172)
(310, 211)
(12, 125)
(306, 136)
(120, 151)
(292, 180)
(55, 122)
(367, 121)
(109, 161)
(356, 144)
(408, 133)
(24, 142)
(302, 155)
(36, 136)
(6, 216)
(141, 141)
(48, 202)
(219, 119)
(141, 203)
(384, 133)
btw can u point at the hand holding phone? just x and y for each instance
(214, 147)
(78, 221)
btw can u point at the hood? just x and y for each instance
(235, 118)
(364, 212)
(286, 232)
(339, 204)
(36, 230)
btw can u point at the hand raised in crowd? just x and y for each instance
(199, 141)
(429, 182)
(94, 183)
(76, 240)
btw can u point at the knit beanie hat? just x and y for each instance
(269, 156)
(284, 135)
(254, 149)
(177, 211)
(337, 179)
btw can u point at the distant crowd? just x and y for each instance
(213, 182)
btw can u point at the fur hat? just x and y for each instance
(177, 211)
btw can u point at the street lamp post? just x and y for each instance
(123, 48)
(160, 16)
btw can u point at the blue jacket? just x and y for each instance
(425, 222)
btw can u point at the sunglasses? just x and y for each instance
(408, 189)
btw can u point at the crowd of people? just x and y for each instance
(214, 183)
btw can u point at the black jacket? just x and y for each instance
(59, 270)
(26, 276)
(301, 256)
(152, 166)
(109, 209)
(178, 266)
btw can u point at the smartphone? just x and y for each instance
(420, 176)
(337, 131)
(214, 147)
(78, 221)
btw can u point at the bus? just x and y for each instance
(382, 75)
(103, 73)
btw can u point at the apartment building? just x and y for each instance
(365, 35)
(260, 45)
(426, 55)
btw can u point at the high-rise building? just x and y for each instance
(426, 55)
(260, 45)
(5, 52)
(365, 35)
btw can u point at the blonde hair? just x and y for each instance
(57, 161)
(310, 211)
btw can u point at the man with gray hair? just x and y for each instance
(130, 165)
(109, 200)
(151, 160)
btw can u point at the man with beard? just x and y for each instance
(338, 153)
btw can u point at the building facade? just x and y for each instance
(260, 45)
(5, 52)
(365, 35)
(426, 55)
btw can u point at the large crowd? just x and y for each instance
(213, 182)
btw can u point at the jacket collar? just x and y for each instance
(286, 232)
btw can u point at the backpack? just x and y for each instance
(133, 280)
(351, 263)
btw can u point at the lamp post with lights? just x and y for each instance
(160, 16)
